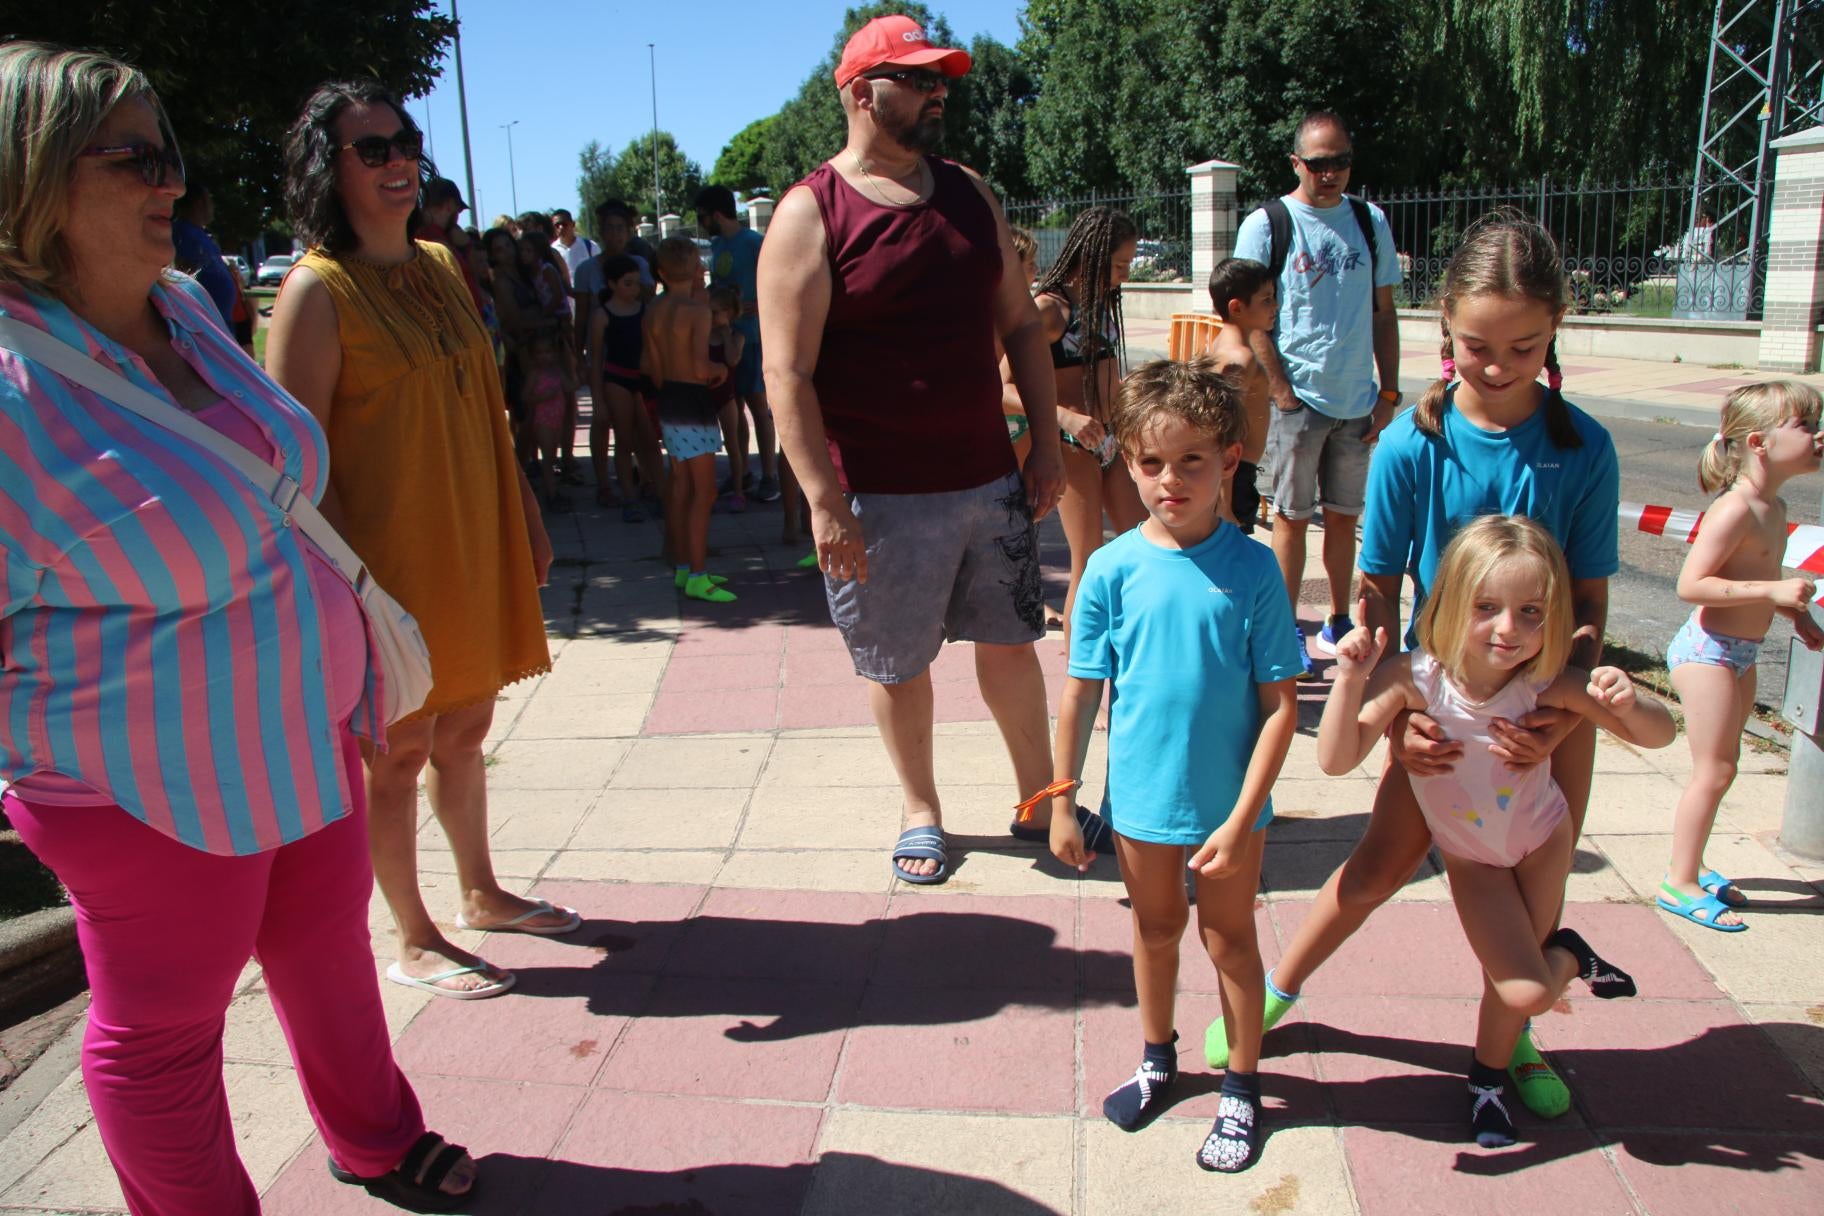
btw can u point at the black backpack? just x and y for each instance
(1279, 238)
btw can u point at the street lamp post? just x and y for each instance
(462, 102)
(512, 177)
(658, 202)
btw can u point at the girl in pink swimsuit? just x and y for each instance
(1493, 642)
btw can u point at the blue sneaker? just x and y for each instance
(1335, 630)
(1304, 656)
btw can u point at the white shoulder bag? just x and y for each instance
(405, 661)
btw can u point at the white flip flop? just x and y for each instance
(430, 982)
(518, 923)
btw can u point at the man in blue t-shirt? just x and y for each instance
(1336, 329)
(196, 253)
(734, 260)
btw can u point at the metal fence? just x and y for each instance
(1163, 253)
(1629, 250)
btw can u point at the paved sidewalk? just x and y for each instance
(756, 1019)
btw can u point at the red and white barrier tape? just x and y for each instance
(1804, 542)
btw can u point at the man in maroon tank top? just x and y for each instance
(881, 299)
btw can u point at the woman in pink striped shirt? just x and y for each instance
(181, 674)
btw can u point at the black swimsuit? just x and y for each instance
(1067, 351)
(621, 346)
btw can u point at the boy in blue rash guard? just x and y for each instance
(1187, 620)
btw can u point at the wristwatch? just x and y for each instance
(1392, 397)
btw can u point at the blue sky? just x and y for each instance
(571, 71)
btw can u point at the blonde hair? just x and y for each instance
(52, 103)
(1194, 391)
(1024, 244)
(1503, 254)
(1477, 551)
(1761, 406)
(675, 255)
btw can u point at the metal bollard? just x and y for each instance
(1802, 823)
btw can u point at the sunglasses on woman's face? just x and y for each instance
(376, 150)
(153, 163)
(922, 79)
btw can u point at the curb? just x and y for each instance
(38, 951)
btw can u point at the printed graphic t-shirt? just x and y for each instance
(1325, 334)
(735, 261)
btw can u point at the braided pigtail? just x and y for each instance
(1559, 424)
(1428, 414)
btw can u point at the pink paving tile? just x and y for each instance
(824, 936)
(736, 1039)
(1380, 958)
(1724, 1172)
(1677, 1064)
(1639, 939)
(682, 713)
(718, 673)
(1107, 944)
(653, 1153)
(1288, 1070)
(807, 666)
(627, 927)
(977, 1049)
(1394, 1059)
(813, 636)
(525, 1037)
(805, 707)
(1716, 384)
(981, 941)
(706, 639)
(953, 663)
(958, 701)
(510, 1127)
(1560, 1170)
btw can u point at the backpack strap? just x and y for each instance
(1279, 235)
(1365, 221)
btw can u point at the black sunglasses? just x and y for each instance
(155, 164)
(1326, 164)
(374, 149)
(922, 79)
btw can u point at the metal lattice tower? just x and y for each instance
(1765, 71)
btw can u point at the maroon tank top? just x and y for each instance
(908, 375)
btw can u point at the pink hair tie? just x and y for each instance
(1450, 370)
(1554, 380)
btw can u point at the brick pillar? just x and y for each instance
(1795, 255)
(759, 212)
(1214, 220)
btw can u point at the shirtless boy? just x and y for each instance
(675, 354)
(1244, 296)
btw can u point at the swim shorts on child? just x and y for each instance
(687, 439)
(1245, 495)
(1695, 644)
(1017, 426)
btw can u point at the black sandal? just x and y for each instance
(432, 1155)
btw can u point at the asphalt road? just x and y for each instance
(1659, 466)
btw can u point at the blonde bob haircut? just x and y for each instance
(1491, 543)
(52, 102)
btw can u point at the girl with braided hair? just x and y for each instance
(1079, 301)
(1487, 438)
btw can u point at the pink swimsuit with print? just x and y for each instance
(1482, 810)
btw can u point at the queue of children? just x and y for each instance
(1183, 620)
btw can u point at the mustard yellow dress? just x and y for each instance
(422, 461)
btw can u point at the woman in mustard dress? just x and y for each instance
(378, 336)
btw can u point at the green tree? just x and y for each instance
(232, 79)
(594, 182)
(679, 177)
(740, 166)
(986, 117)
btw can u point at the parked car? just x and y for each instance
(238, 264)
(272, 270)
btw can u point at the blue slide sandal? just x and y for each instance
(922, 844)
(1679, 904)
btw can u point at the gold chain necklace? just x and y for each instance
(875, 185)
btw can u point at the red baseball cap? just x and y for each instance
(900, 41)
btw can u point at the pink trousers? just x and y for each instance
(165, 930)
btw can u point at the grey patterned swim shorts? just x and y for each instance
(961, 566)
